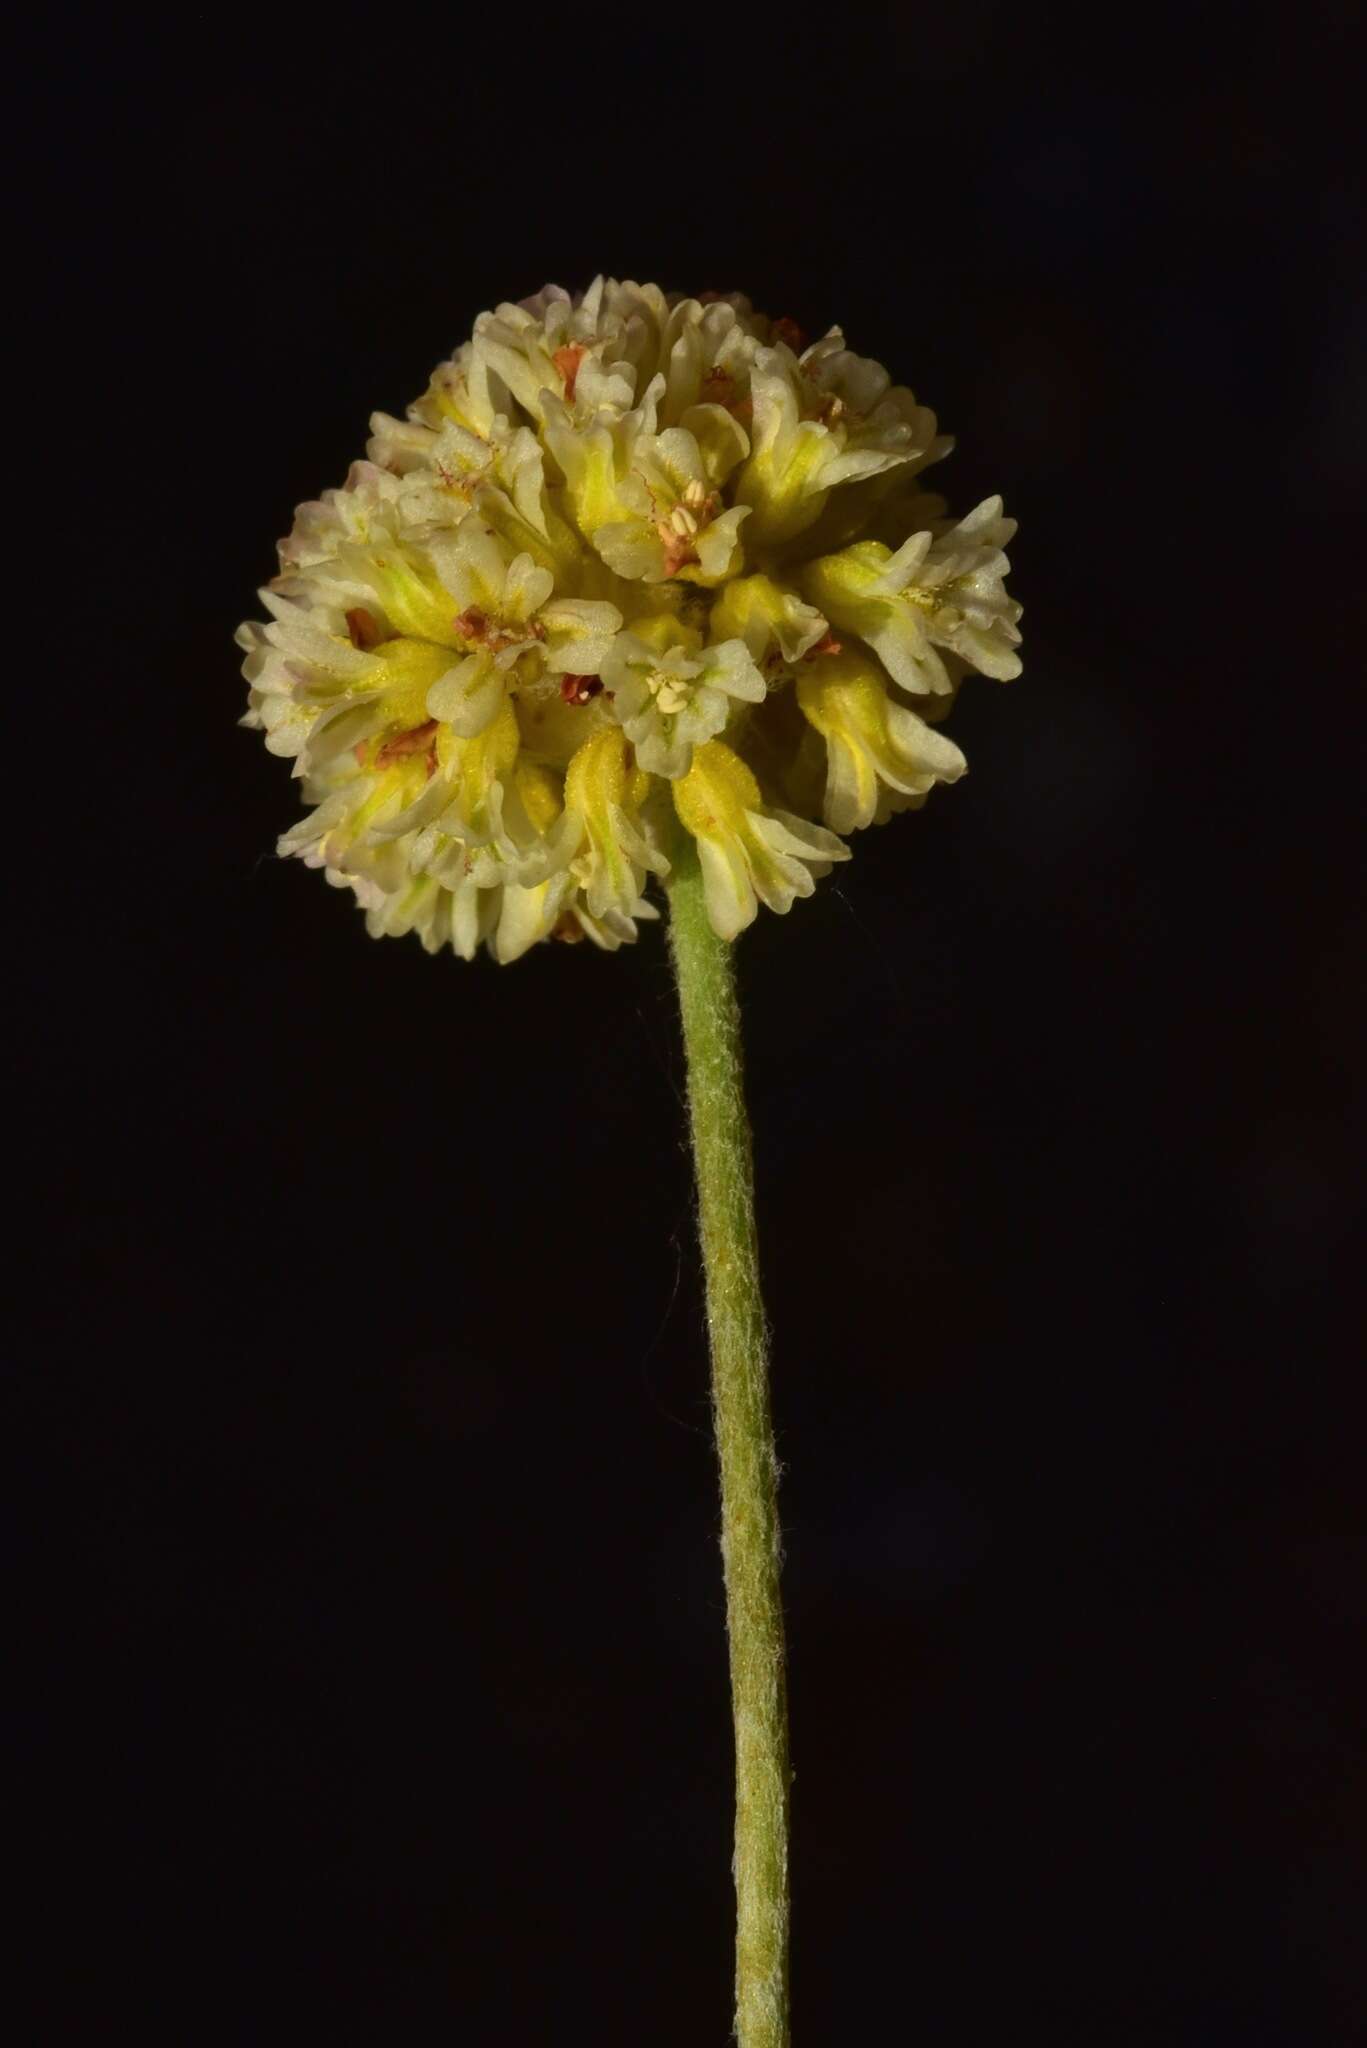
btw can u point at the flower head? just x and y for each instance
(634, 566)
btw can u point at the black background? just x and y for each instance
(380, 1588)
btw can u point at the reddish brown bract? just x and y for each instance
(364, 629)
(567, 361)
(414, 741)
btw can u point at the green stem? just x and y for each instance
(745, 1450)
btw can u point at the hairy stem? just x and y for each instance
(745, 1450)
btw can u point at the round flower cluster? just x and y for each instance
(635, 565)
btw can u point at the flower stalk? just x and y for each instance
(745, 1450)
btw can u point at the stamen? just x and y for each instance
(679, 527)
(671, 693)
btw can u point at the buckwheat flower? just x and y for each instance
(749, 852)
(706, 354)
(671, 693)
(947, 591)
(676, 525)
(775, 624)
(636, 568)
(876, 749)
(507, 608)
(644, 594)
(611, 849)
(807, 439)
